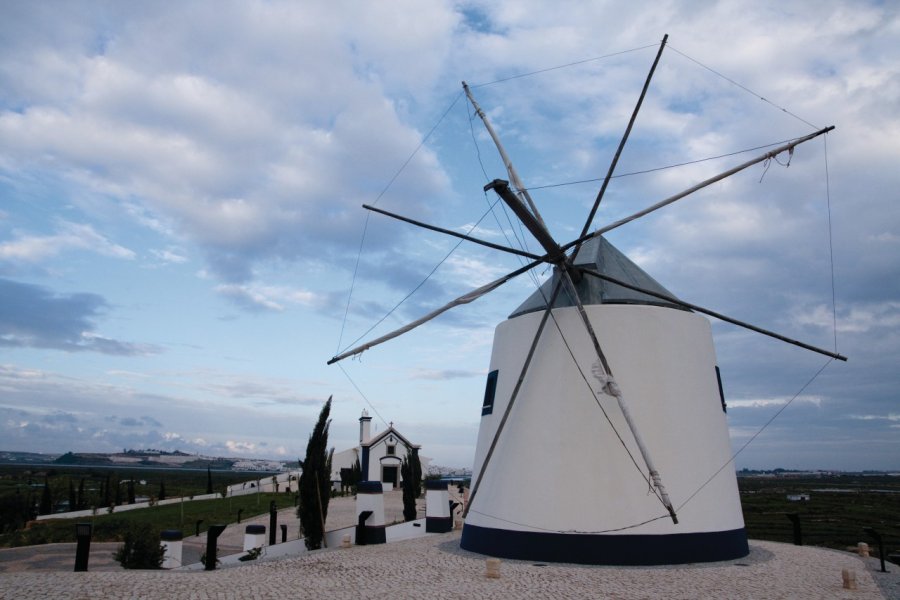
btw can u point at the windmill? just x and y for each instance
(603, 438)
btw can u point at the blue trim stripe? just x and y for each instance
(591, 549)
(369, 487)
(438, 524)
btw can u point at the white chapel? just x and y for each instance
(379, 456)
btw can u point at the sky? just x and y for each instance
(181, 221)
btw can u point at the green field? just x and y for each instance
(22, 487)
(838, 509)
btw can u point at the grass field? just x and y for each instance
(838, 509)
(22, 486)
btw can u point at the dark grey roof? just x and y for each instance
(601, 256)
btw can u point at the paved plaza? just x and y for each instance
(436, 567)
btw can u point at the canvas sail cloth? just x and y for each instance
(561, 485)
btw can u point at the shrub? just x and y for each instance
(141, 549)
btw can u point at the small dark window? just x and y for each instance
(390, 450)
(721, 392)
(489, 391)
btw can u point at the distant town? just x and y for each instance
(163, 459)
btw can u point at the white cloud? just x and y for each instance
(774, 402)
(859, 318)
(892, 417)
(69, 236)
(262, 297)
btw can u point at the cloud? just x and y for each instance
(267, 298)
(69, 236)
(444, 375)
(770, 402)
(246, 137)
(32, 316)
(38, 414)
(248, 164)
(169, 255)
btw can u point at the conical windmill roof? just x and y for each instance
(598, 254)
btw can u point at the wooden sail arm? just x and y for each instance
(464, 299)
(706, 182)
(604, 372)
(615, 160)
(712, 313)
(512, 399)
(463, 236)
(510, 169)
(537, 229)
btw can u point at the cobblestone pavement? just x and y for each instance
(435, 567)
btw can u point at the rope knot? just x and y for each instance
(608, 385)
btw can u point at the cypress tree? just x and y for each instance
(162, 489)
(209, 489)
(131, 491)
(416, 465)
(409, 487)
(315, 481)
(80, 501)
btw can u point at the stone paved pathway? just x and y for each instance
(435, 567)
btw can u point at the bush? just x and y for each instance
(141, 549)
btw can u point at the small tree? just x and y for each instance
(46, 499)
(409, 487)
(117, 492)
(141, 548)
(356, 475)
(315, 481)
(81, 499)
(209, 489)
(73, 500)
(162, 489)
(131, 491)
(416, 465)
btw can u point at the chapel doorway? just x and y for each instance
(389, 475)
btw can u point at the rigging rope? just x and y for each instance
(375, 202)
(353, 383)
(521, 242)
(565, 66)
(663, 168)
(746, 89)
(755, 435)
(623, 528)
(834, 326)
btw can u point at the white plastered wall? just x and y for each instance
(559, 465)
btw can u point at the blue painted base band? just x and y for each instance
(593, 549)
(366, 535)
(438, 524)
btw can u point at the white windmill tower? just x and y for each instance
(601, 384)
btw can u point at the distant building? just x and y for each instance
(379, 456)
(798, 497)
